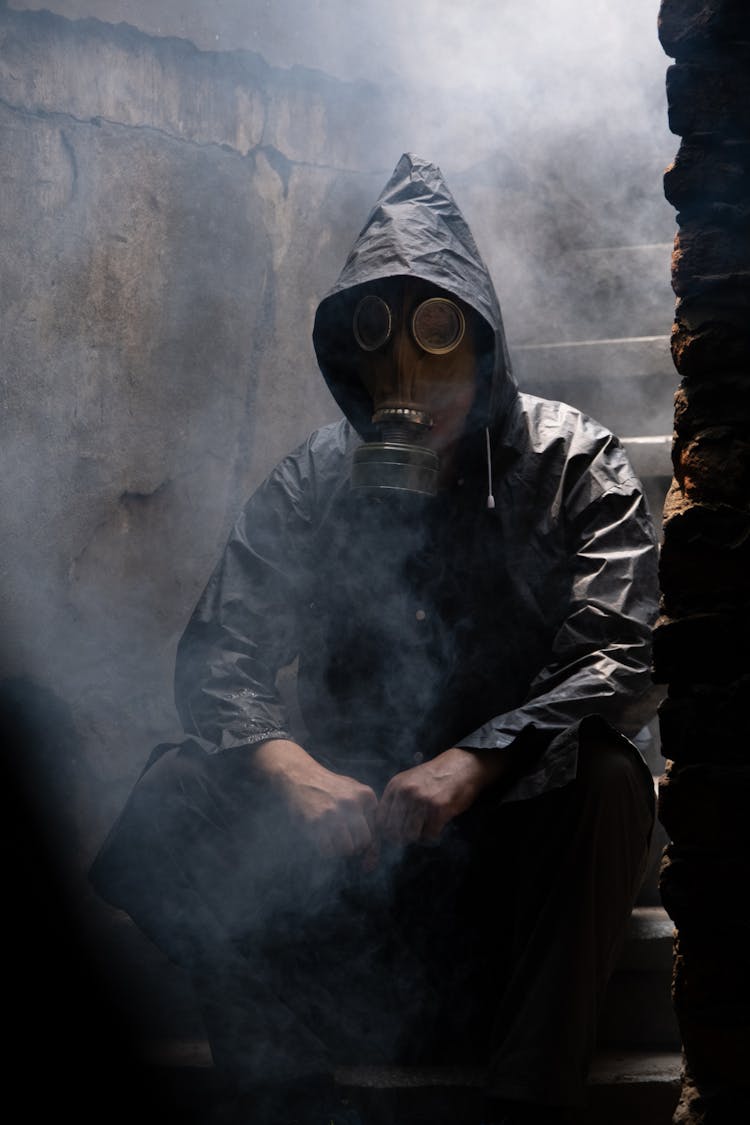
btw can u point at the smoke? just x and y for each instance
(549, 121)
(158, 291)
(168, 240)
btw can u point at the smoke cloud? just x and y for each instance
(180, 195)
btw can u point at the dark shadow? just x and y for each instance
(66, 1048)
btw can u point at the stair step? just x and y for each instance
(648, 945)
(650, 456)
(637, 1010)
(626, 384)
(624, 1087)
(633, 1086)
(645, 357)
(157, 997)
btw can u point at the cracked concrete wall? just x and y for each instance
(169, 219)
(344, 38)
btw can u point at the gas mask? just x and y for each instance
(417, 360)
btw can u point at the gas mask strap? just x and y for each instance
(490, 497)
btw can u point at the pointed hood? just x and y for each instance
(415, 229)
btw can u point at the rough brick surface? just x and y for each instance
(706, 723)
(702, 647)
(710, 96)
(706, 254)
(711, 1103)
(718, 400)
(714, 466)
(704, 888)
(705, 805)
(711, 331)
(698, 577)
(708, 171)
(700, 642)
(712, 1001)
(693, 26)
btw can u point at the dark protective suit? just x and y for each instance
(418, 624)
(449, 624)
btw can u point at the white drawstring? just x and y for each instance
(490, 497)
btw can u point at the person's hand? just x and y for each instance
(336, 812)
(418, 803)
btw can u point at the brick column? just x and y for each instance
(702, 640)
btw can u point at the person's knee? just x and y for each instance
(616, 798)
(153, 826)
(610, 772)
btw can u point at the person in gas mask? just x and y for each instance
(438, 861)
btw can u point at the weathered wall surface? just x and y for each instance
(285, 32)
(163, 251)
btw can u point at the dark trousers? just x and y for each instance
(493, 946)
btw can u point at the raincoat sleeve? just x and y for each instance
(244, 629)
(600, 659)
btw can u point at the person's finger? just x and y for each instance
(383, 809)
(343, 841)
(369, 808)
(412, 822)
(333, 838)
(404, 817)
(360, 832)
(390, 815)
(433, 824)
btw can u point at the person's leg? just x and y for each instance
(577, 858)
(438, 922)
(210, 870)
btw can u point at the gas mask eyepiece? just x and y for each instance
(437, 324)
(372, 323)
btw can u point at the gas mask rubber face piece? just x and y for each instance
(417, 360)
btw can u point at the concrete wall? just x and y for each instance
(172, 209)
(168, 224)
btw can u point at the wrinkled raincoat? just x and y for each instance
(424, 623)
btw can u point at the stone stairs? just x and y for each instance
(627, 384)
(625, 1088)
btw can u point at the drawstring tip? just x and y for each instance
(490, 497)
